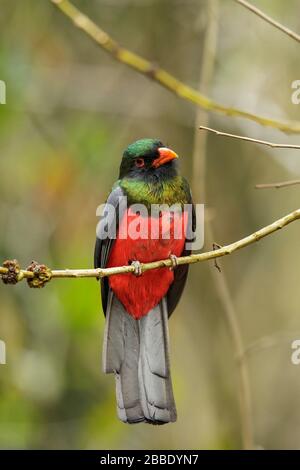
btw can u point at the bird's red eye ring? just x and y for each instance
(140, 163)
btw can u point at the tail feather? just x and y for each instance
(120, 355)
(154, 368)
(137, 351)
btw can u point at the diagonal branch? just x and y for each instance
(269, 341)
(249, 139)
(269, 20)
(191, 259)
(280, 184)
(160, 75)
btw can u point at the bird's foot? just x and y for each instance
(174, 262)
(137, 268)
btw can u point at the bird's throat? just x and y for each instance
(170, 191)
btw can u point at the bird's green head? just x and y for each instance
(148, 158)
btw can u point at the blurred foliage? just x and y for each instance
(70, 112)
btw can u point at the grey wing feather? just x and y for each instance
(121, 335)
(181, 272)
(106, 234)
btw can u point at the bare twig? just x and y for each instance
(243, 389)
(281, 184)
(249, 139)
(271, 341)
(269, 20)
(244, 393)
(160, 75)
(191, 259)
(207, 67)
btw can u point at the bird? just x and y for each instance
(137, 305)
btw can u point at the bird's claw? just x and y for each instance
(174, 262)
(137, 268)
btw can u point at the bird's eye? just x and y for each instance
(140, 162)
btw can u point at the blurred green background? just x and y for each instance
(70, 112)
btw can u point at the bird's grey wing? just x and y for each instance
(181, 272)
(106, 234)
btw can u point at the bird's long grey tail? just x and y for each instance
(137, 352)
(156, 392)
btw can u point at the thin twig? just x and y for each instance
(191, 259)
(249, 139)
(243, 390)
(207, 67)
(160, 75)
(270, 341)
(269, 20)
(244, 393)
(281, 184)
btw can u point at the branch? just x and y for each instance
(250, 139)
(282, 184)
(269, 20)
(37, 275)
(160, 75)
(207, 67)
(268, 342)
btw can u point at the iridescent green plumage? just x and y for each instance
(169, 191)
(151, 186)
(141, 147)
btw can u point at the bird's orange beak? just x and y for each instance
(165, 156)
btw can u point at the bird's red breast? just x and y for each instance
(145, 239)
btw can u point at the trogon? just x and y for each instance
(137, 305)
